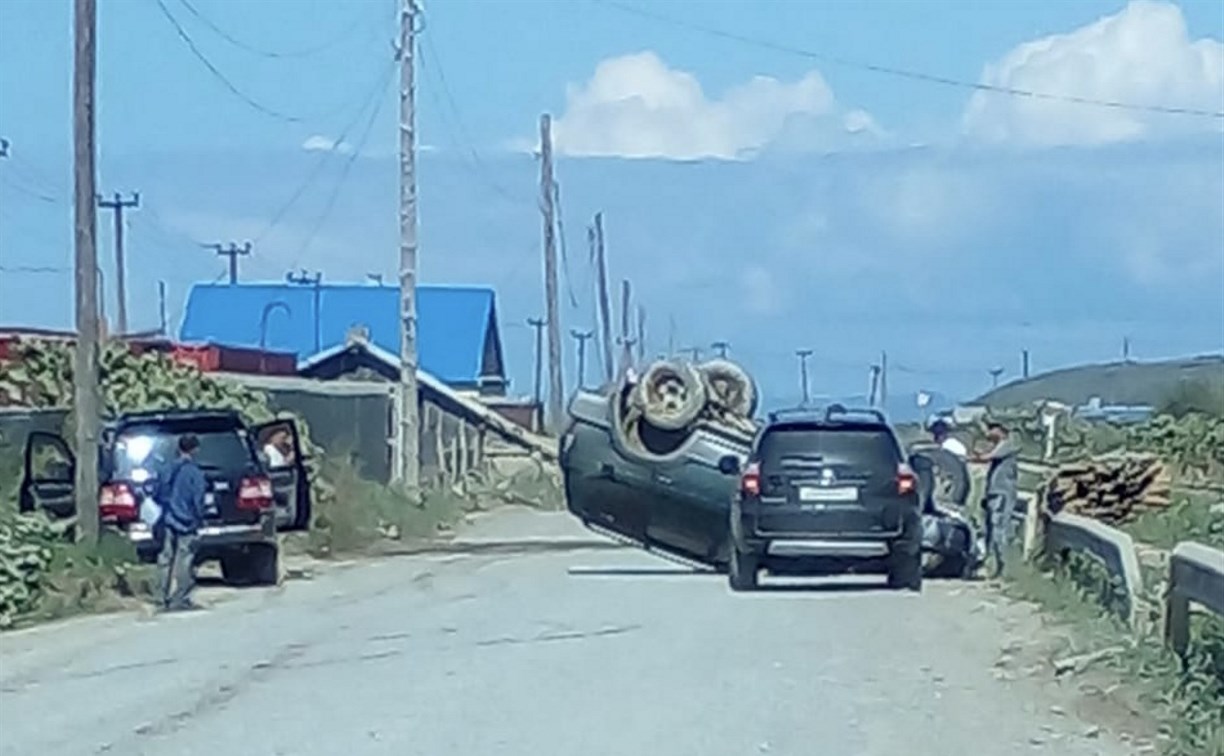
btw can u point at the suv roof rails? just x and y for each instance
(177, 414)
(831, 414)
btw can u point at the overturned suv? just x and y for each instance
(822, 494)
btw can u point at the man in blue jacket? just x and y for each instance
(182, 497)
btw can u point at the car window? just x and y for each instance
(867, 445)
(223, 446)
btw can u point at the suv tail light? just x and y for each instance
(255, 493)
(906, 482)
(117, 503)
(750, 482)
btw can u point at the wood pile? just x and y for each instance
(1113, 489)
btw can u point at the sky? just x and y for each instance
(763, 180)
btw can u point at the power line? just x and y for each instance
(220, 77)
(565, 267)
(344, 172)
(265, 53)
(455, 120)
(380, 86)
(32, 269)
(905, 73)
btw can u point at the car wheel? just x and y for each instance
(671, 394)
(729, 386)
(742, 570)
(265, 564)
(905, 556)
(236, 567)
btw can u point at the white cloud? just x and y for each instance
(320, 143)
(1143, 54)
(637, 106)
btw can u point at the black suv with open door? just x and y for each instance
(247, 495)
(824, 493)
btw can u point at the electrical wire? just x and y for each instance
(905, 73)
(380, 86)
(32, 269)
(565, 268)
(218, 75)
(27, 192)
(480, 168)
(265, 53)
(344, 172)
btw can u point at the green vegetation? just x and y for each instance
(1193, 516)
(1186, 702)
(1134, 383)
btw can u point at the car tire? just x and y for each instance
(730, 387)
(743, 570)
(265, 564)
(671, 395)
(905, 556)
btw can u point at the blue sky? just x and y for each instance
(836, 207)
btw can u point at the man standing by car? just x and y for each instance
(1001, 493)
(184, 488)
(942, 435)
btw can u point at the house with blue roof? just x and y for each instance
(458, 338)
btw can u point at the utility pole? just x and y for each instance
(626, 341)
(85, 369)
(164, 326)
(995, 373)
(883, 380)
(409, 427)
(873, 386)
(1024, 363)
(233, 252)
(118, 205)
(721, 347)
(595, 236)
(671, 335)
(1126, 349)
(316, 283)
(538, 324)
(694, 351)
(641, 334)
(803, 355)
(581, 337)
(556, 392)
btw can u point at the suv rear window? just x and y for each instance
(869, 445)
(223, 445)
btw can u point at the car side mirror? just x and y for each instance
(729, 465)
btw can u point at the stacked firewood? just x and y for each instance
(1112, 489)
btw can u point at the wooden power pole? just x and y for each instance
(118, 205)
(85, 368)
(803, 355)
(581, 337)
(409, 426)
(537, 390)
(556, 392)
(233, 252)
(596, 236)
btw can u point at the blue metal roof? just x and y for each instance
(452, 321)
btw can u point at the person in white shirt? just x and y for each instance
(277, 450)
(942, 435)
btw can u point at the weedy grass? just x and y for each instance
(1185, 700)
(1193, 516)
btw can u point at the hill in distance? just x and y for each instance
(1131, 383)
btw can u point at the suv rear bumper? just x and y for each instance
(748, 537)
(214, 539)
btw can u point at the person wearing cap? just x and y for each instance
(941, 434)
(1001, 490)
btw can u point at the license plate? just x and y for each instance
(810, 493)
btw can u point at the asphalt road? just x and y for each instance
(545, 652)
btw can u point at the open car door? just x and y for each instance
(48, 482)
(280, 450)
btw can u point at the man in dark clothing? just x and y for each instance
(1001, 490)
(182, 497)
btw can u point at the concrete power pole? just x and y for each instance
(721, 347)
(803, 355)
(995, 374)
(233, 252)
(641, 334)
(118, 205)
(409, 426)
(85, 368)
(581, 337)
(596, 236)
(537, 386)
(884, 380)
(626, 318)
(556, 392)
(1024, 363)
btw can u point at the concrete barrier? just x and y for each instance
(1196, 575)
(1114, 549)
